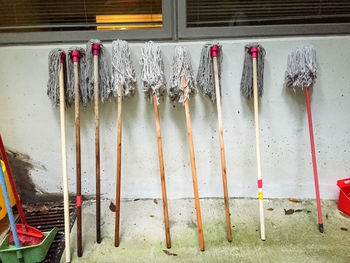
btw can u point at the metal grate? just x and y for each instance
(47, 216)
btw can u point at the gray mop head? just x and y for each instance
(123, 71)
(181, 67)
(205, 74)
(104, 79)
(301, 68)
(247, 74)
(82, 75)
(53, 89)
(152, 75)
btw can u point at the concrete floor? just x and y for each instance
(289, 238)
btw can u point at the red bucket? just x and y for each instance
(344, 195)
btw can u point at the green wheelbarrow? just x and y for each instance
(27, 254)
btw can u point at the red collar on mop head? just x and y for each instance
(254, 52)
(96, 49)
(214, 51)
(63, 56)
(75, 55)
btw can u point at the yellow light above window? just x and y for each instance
(128, 19)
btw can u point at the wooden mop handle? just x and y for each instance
(254, 52)
(75, 57)
(119, 161)
(161, 168)
(193, 166)
(214, 51)
(95, 51)
(64, 161)
(314, 164)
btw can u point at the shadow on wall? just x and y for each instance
(21, 167)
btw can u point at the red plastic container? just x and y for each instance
(344, 195)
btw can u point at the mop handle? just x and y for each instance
(12, 182)
(193, 166)
(95, 51)
(161, 168)
(214, 51)
(75, 58)
(119, 162)
(64, 161)
(254, 52)
(9, 208)
(319, 212)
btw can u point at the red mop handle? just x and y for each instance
(12, 182)
(314, 159)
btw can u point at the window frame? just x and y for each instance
(185, 32)
(164, 33)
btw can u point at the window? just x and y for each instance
(74, 20)
(232, 18)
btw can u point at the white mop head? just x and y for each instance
(103, 71)
(123, 71)
(82, 75)
(247, 73)
(181, 67)
(301, 68)
(152, 75)
(53, 89)
(205, 74)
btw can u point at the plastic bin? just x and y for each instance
(3, 210)
(344, 195)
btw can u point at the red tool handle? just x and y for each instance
(12, 182)
(320, 223)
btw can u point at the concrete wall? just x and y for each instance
(30, 125)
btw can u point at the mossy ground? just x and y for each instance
(289, 238)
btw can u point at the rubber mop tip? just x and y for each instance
(205, 75)
(181, 68)
(152, 74)
(56, 57)
(247, 73)
(301, 69)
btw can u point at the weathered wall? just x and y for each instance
(30, 125)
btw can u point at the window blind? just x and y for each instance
(209, 13)
(38, 15)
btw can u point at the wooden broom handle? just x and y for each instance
(222, 150)
(193, 166)
(97, 152)
(257, 136)
(161, 168)
(119, 161)
(64, 165)
(78, 157)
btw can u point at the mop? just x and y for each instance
(97, 75)
(76, 86)
(208, 78)
(252, 86)
(28, 235)
(154, 86)
(123, 85)
(182, 86)
(57, 94)
(301, 74)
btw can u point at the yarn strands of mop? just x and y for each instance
(83, 92)
(152, 75)
(247, 77)
(181, 68)
(123, 71)
(205, 74)
(301, 68)
(103, 72)
(53, 89)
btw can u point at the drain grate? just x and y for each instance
(47, 216)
